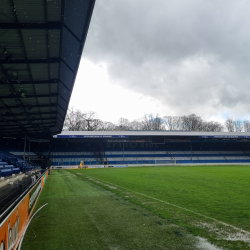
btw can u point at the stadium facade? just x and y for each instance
(149, 147)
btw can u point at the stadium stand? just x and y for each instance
(37, 76)
(11, 164)
(202, 152)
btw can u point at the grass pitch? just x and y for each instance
(144, 208)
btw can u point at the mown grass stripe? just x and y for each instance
(82, 215)
(171, 204)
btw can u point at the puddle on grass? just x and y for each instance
(205, 245)
(227, 233)
(238, 236)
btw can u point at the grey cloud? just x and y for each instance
(191, 55)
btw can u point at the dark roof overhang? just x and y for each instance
(41, 44)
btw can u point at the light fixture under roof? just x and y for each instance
(5, 51)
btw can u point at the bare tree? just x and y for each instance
(108, 126)
(177, 123)
(91, 122)
(159, 123)
(233, 125)
(246, 126)
(146, 122)
(173, 122)
(123, 124)
(229, 124)
(77, 121)
(136, 125)
(191, 122)
(238, 125)
(211, 126)
(73, 120)
(149, 122)
(170, 122)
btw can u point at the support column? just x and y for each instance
(24, 150)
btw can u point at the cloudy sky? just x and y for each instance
(171, 57)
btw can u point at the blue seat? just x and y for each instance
(196, 161)
(9, 166)
(214, 161)
(16, 170)
(184, 161)
(239, 160)
(6, 172)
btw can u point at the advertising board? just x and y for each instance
(13, 225)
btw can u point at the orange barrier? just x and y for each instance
(13, 225)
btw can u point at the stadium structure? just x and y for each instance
(41, 44)
(149, 147)
(131, 148)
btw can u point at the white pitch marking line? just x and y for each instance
(168, 203)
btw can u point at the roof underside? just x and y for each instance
(41, 43)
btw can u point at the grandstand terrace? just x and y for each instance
(41, 44)
(149, 147)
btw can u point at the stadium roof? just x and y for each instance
(41, 43)
(126, 134)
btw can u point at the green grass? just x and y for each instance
(220, 192)
(82, 215)
(134, 208)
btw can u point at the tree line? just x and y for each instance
(79, 121)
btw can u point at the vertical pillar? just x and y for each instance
(24, 149)
(123, 151)
(191, 150)
(29, 149)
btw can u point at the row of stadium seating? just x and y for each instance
(152, 157)
(11, 164)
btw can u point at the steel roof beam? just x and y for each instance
(36, 125)
(33, 26)
(12, 96)
(28, 125)
(5, 107)
(19, 82)
(24, 49)
(28, 129)
(27, 119)
(32, 106)
(30, 114)
(30, 61)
